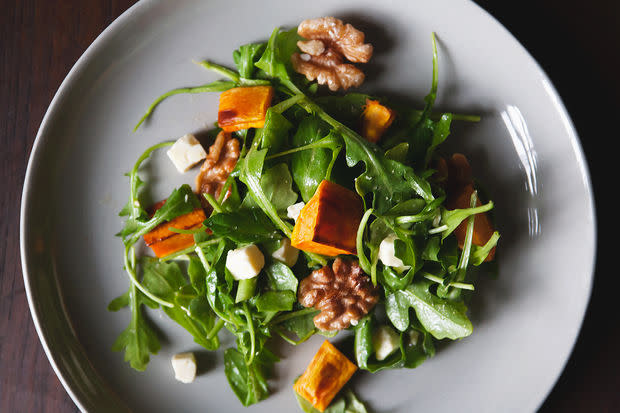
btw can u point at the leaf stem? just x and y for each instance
(290, 340)
(294, 314)
(363, 260)
(130, 260)
(224, 71)
(218, 86)
(213, 202)
(216, 328)
(248, 316)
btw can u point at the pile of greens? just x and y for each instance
(308, 136)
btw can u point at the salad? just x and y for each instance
(313, 212)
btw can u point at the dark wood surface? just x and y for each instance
(577, 42)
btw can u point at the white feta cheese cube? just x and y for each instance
(245, 262)
(186, 152)
(184, 365)
(294, 210)
(385, 341)
(286, 253)
(387, 254)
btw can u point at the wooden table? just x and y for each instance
(575, 41)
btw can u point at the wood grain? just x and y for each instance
(576, 42)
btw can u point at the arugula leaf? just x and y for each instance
(276, 301)
(245, 58)
(440, 317)
(249, 226)
(277, 186)
(398, 153)
(248, 381)
(299, 322)
(347, 108)
(181, 201)
(453, 218)
(417, 347)
(389, 181)
(276, 59)
(192, 312)
(138, 340)
(393, 281)
(311, 166)
(281, 277)
(251, 173)
(275, 131)
(441, 130)
(412, 352)
(480, 253)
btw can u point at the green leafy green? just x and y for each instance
(275, 132)
(440, 317)
(415, 346)
(453, 218)
(276, 59)
(311, 166)
(248, 381)
(480, 253)
(251, 175)
(281, 277)
(246, 56)
(276, 301)
(248, 226)
(138, 340)
(276, 184)
(191, 311)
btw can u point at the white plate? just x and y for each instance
(525, 151)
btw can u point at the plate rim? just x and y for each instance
(100, 42)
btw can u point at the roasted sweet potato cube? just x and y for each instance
(161, 232)
(326, 374)
(376, 118)
(244, 107)
(172, 244)
(165, 242)
(328, 223)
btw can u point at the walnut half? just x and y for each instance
(343, 293)
(221, 160)
(329, 40)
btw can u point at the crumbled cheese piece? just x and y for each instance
(184, 365)
(385, 341)
(186, 152)
(286, 253)
(387, 254)
(294, 210)
(245, 262)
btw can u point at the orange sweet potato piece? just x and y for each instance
(328, 223)
(244, 107)
(376, 118)
(173, 244)
(459, 191)
(326, 374)
(165, 242)
(187, 221)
